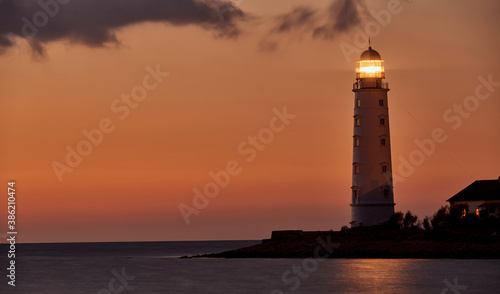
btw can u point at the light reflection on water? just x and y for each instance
(386, 276)
(160, 275)
(53, 270)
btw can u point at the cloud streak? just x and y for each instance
(94, 23)
(341, 16)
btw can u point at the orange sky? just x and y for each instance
(220, 92)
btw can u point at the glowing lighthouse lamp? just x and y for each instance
(370, 69)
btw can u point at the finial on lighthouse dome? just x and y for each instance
(370, 54)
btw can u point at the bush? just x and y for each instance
(410, 221)
(396, 221)
(441, 218)
(427, 224)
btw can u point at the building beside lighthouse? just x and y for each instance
(372, 190)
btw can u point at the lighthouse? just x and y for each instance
(372, 191)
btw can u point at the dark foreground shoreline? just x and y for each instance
(373, 243)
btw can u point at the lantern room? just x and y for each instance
(370, 65)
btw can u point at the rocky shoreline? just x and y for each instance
(373, 243)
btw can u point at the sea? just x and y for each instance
(156, 267)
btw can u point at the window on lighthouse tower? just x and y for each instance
(356, 141)
(355, 194)
(381, 120)
(386, 192)
(355, 168)
(357, 121)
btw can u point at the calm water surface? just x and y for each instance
(156, 268)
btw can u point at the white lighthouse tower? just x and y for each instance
(372, 190)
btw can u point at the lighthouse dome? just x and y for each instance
(370, 54)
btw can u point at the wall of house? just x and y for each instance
(473, 205)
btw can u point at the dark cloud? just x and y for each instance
(298, 18)
(341, 16)
(94, 22)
